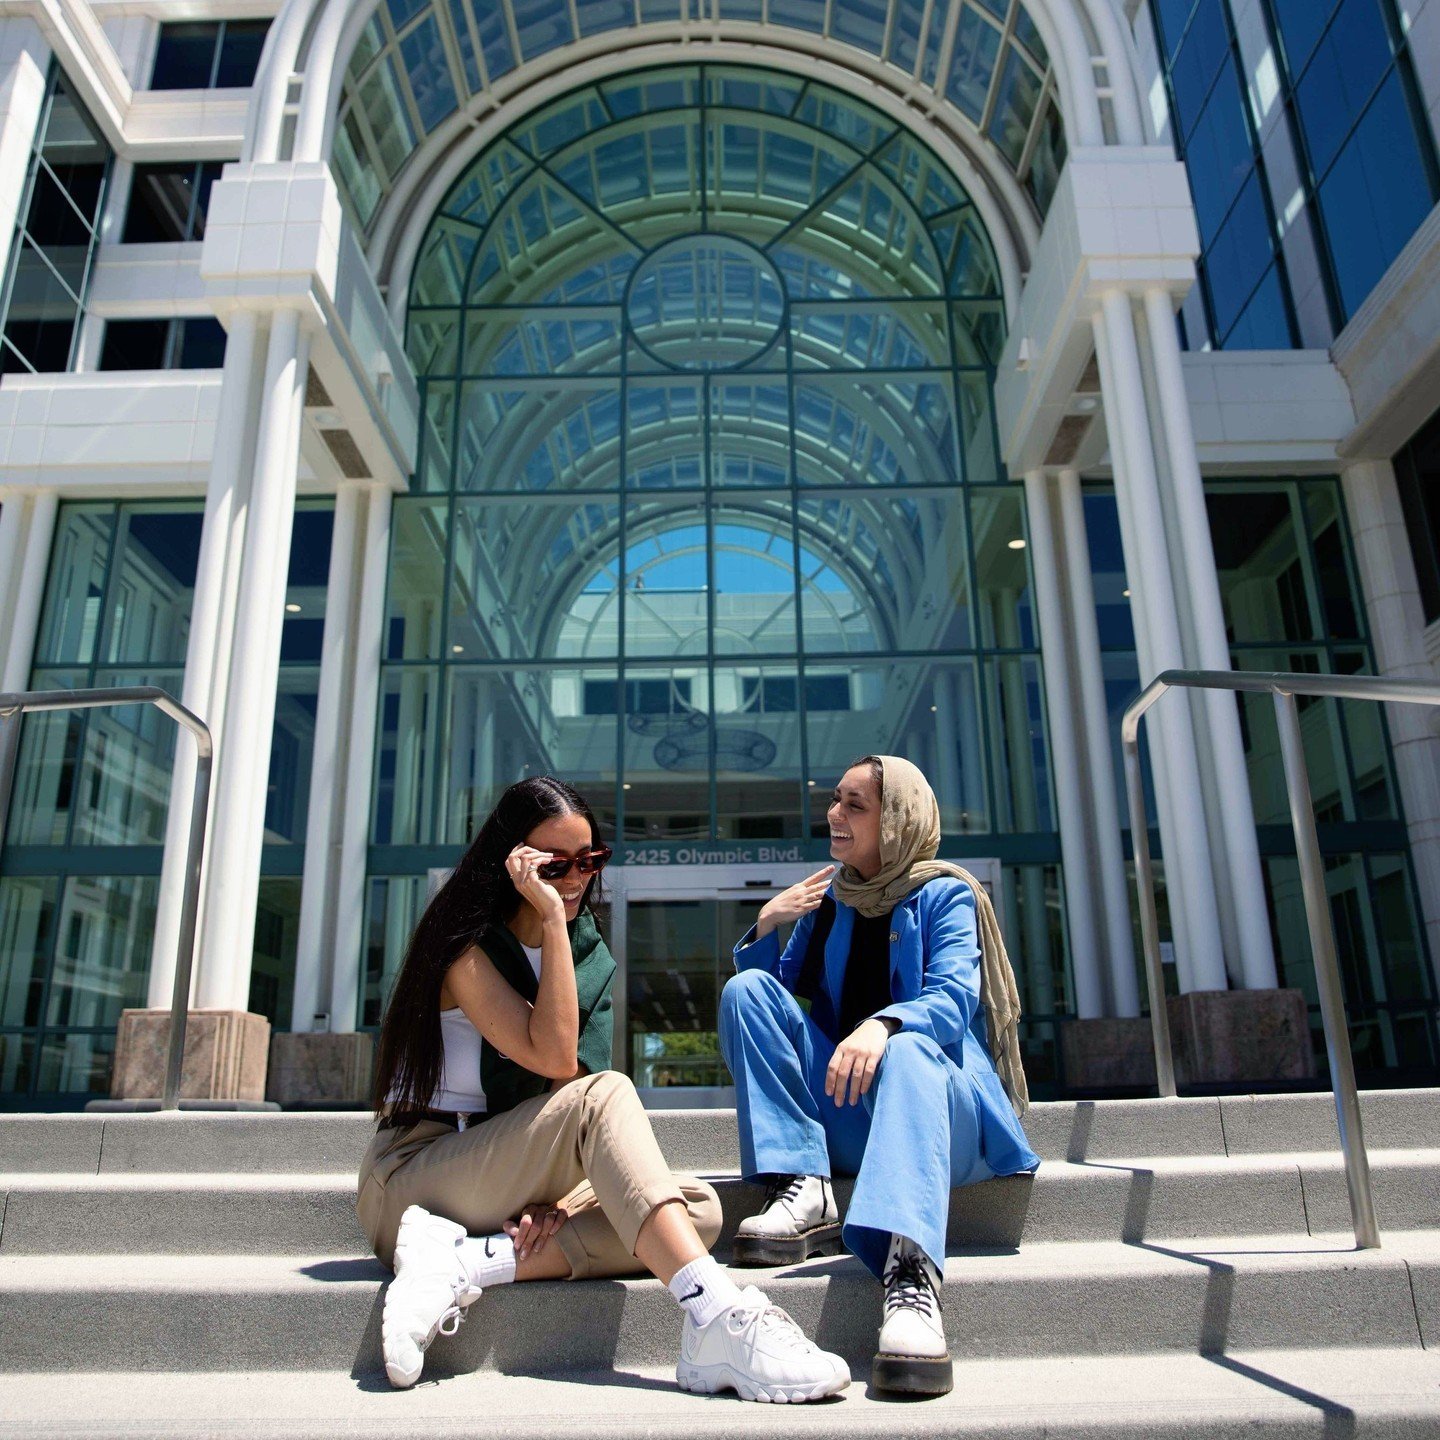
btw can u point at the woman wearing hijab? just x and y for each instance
(893, 1075)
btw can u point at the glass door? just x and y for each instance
(672, 931)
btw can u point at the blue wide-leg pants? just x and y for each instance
(913, 1136)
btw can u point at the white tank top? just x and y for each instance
(460, 1087)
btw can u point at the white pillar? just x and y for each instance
(1160, 778)
(1062, 704)
(1397, 623)
(30, 591)
(233, 872)
(1109, 856)
(314, 955)
(1187, 854)
(1202, 592)
(360, 765)
(210, 643)
(14, 512)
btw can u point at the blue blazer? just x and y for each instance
(935, 982)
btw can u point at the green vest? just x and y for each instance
(508, 1083)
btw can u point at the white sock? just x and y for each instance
(704, 1289)
(489, 1259)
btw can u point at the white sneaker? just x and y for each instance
(428, 1295)
(757, 1350)
(913, 1356)
(798, 1219)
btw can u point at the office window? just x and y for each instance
(168, 202)
(43, 295)
(194, 343)
(208, 55)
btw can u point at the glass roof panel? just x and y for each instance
(541, 26)
(418, 60)
(429, 72)
(860, 23)
(972, 64)
(1015, 107)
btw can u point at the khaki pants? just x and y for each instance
(588, 1143)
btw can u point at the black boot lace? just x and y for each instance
(782, 1187)
(908, 1285)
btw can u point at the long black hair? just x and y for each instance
(478, 894)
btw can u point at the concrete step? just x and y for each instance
(705, 1140)
(1244, 1395)
(1168, 1198)
(267, 1313)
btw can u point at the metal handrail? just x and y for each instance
(16, 704)
(1284, 687)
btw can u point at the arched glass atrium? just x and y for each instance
(709, 500)
(419, 64)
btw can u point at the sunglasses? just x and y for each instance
(591, 862)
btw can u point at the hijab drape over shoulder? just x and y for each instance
(909, 842)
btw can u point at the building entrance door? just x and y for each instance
(672, 930)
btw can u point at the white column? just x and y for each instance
(1187, 854)
(210, 644)
(1062, 704)
(1160, 778)
(1397, 623)
(314, 953)
(14, 512)
(30, 592)
(1109, 857)
(1202, 591)
(360, 763)
(24, 60)
(233, 872)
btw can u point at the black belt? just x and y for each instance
(404, 1119)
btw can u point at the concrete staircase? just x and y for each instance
(1176, 1268)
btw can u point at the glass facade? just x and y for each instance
(43, 296)
(708, 500)
(1292, 602)
(1311, 163)
(83, 851)
(419, 61)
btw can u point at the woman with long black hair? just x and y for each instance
(502, 1127)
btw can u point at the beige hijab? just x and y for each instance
(909, 840)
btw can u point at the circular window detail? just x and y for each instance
(705, 302)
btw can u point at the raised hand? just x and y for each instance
(791, 904)
(523, 864)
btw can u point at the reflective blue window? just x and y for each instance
(1369, 168)
(208, 55)
(1242, 298)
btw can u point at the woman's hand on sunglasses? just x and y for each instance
(523, 864)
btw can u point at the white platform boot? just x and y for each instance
(798, 1219)
(912, 1357)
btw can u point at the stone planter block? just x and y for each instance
(1108, 1054)
(225, 1055)
(321, 1069)
(1241, 1037)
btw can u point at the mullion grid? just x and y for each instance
(713, 498)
